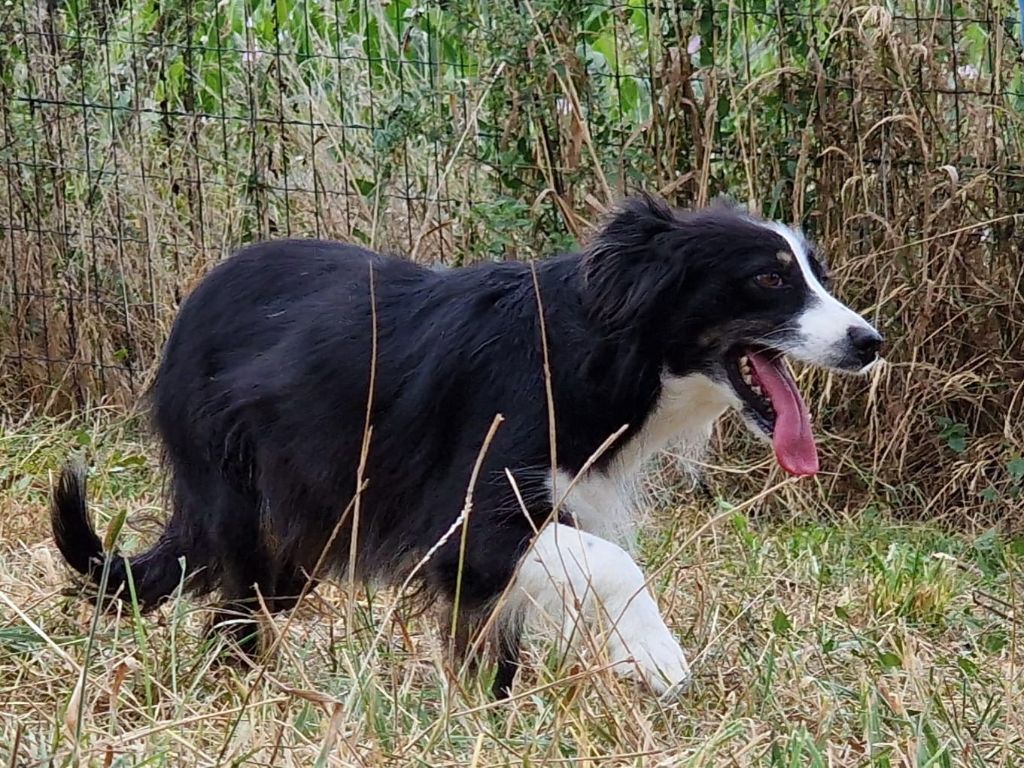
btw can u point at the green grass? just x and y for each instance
(822, 640)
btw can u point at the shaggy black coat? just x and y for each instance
(261, 401)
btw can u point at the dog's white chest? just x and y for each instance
(604, 502)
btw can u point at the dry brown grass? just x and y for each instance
(865, 642)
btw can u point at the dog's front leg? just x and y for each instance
(578, 583)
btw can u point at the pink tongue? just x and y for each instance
(793, 439)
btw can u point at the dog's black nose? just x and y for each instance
(866, 343)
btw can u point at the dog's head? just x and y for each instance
(728, 295)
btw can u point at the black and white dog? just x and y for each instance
(264, 405)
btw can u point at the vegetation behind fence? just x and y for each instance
(140, 142)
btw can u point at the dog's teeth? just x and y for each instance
(747, 380)
(757, 389)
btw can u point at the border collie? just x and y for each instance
(313, 391)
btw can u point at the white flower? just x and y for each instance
(967, 72)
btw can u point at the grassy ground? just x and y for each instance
(827, 639)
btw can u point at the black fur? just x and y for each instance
(69, 518)
(260, 400)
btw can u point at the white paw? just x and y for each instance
(655, 659)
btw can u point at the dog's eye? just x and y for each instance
(770, 280)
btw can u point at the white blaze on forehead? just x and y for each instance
(825, 323)
(799, 249)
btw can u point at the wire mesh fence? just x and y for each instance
(142, 141)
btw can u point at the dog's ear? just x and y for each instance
(632, 270)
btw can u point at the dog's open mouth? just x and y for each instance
(772, 402)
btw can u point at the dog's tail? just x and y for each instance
(154, 574)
